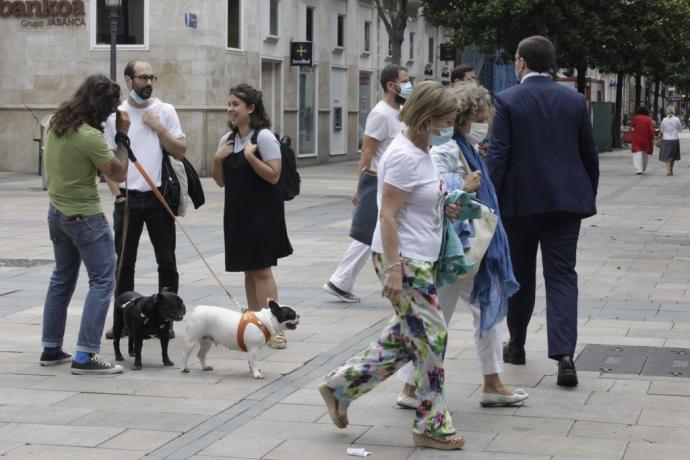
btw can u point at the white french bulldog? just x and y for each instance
(248, 331)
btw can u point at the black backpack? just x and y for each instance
(289, 181)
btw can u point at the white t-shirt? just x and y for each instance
(144, 141)
(670, 127)
(420, 221)
(383, 125)
(267, 144)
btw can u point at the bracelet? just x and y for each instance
(391, 267)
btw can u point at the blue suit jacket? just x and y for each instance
(542, 157)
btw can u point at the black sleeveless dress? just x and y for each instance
(254, 218)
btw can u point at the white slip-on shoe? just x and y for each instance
(406, 402)
(496, 400)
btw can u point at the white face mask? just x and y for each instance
(478, 132)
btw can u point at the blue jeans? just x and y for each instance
(88, 239)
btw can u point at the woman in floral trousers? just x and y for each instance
(405, 247)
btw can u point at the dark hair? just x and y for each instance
(642, 110)
(390, 74)
(129, 68)
(250, 96)
(459, 72)
(538, 52)
(92, 103)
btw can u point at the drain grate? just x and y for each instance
(612, 359)
(649, 361)
(24, 263)
(671, 362)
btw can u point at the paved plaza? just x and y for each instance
(634, 272)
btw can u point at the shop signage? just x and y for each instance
(301, 54)
(447, 52)
(44, 13)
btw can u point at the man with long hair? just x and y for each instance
(75, 150)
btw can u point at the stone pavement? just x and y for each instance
(634, 287)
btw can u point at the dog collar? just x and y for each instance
(249, 317)
(129, 304)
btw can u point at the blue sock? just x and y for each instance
(81, 357)
(51, 350)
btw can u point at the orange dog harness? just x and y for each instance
(249, 317)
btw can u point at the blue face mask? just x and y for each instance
(136, 97)
(445, 135)
(406, 89)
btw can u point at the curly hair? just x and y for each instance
(258, 119)
(92, 103)
(472, 99)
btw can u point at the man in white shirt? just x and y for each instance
(154, 127)
(381, 127)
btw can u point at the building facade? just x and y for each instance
(199, 50)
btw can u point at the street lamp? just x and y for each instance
(113, 6)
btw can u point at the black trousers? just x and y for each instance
(557, 235)
(145, 209)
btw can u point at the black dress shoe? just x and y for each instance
(513, 355)
(567, 377)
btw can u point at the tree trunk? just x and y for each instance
(638, 90)
(395, 23)
(617, 141)
(657, 83)
(581, 78)
(396, 38)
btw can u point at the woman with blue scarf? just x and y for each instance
(487, 293)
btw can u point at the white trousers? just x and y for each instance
(640, 160)
(346, 273)
(489, 345)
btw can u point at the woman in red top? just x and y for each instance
(642, 139)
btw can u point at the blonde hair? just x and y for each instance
(670, 110)
(471, 100)
(429, 99)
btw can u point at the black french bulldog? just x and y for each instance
(146, 317)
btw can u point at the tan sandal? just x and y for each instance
(334, 408)
(277, 342)
(451, 442)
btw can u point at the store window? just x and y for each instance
(273, 18)
(234, 24)
(307, 111)
(132, 24)
(431, 51)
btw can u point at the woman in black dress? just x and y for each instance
(248, 164)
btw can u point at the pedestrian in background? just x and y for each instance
(670, 143)
(406, 246)
(380, 129)
(247, 164)
(642, 139)
(75, 151)
(545, 168)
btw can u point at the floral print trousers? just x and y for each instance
(418, 333)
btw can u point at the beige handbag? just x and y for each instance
(484, 230)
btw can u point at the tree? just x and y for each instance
(394, 15)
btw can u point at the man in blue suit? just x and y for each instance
(544, 165)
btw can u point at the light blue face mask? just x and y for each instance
(445, 135)
(136, 97)
(406, 89)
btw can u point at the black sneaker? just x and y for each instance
(95, 365)
(345, 296)
(58, 358)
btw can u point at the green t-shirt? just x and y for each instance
(71, 164)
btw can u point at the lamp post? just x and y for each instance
(113, 6)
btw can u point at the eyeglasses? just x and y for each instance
(145, 78)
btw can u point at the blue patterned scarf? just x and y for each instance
(495, 282)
